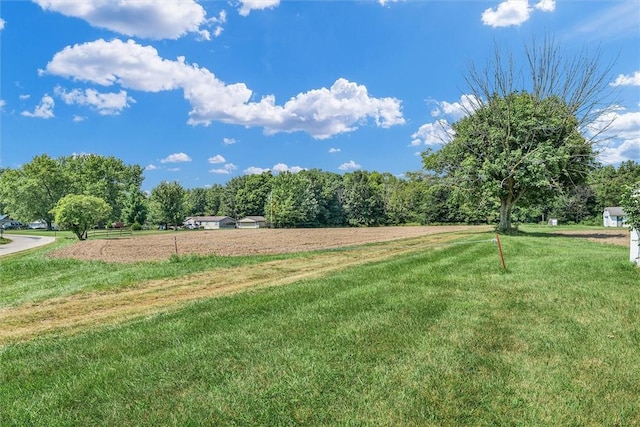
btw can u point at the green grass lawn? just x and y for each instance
(441, 336)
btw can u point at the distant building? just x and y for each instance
(252, 222)
(210, 222)
(613, 217)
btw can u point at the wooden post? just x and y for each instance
(175, 243)
(504, 266)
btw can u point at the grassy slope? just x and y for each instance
(441, 337)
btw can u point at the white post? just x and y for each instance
(634, 247)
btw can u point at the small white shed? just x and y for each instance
(613, 217)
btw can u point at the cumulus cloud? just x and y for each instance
(246, 6)
(627, 80)
(104, 103)
(44, 110)
(620, 139)
(456, 110)
(254, 170)
(78, 119)
(150, 167)
(24, 97)
(176, 158)
(225, 170)
(440, 132)
(334, 150)
(152, 19)
(436, 133)
(217, 159)
(2, 22)
(282, 167)
(228, 141)
(320, 112)
(350, 165)
(514, 12)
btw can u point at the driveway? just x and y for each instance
(22, 243)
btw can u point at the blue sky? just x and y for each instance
(202, 91)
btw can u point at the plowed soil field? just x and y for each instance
(240, 242)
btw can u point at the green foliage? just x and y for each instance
(135, 209)
(516, 149)
(78, 213)
(610, 183)
(362, 198)
(196, 203)
(292, 202)
(630, 203)
(31, 191)
(167, 202)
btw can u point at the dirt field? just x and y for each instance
(240, 242)
(271, 241)
(614, 236)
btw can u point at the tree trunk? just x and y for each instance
(506, 206)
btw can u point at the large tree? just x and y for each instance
(31, 191)
(525, 134)
(167, 203)
(78, 213)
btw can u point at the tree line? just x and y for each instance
(310, 198)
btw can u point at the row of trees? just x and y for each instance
(311, 198)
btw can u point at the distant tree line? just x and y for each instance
(310, 198)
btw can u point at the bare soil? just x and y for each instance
(613, 236)
(239, 242)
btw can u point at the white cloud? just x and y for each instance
(546, 5)
(253, 170)
(78, 119)
(456, 110)
(2, 22)
(167, 19)
(150, 167)
(248, 5)
(436, 133)
(621, 140)
(628, 80)
(176, 158)
(24, 97)
(334, 150)
(226, 170)
(228, 141)
(320, 112)
(2, 103)
(44, 110)
(350, 165)
(385, 2)
(282, 167)
(514, 12)
(217, 159)
(104, 103)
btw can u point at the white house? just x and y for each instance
(252, 222)
(210, 222)
(613, 217)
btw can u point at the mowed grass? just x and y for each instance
(441, 336)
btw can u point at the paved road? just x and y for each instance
(22, 243)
